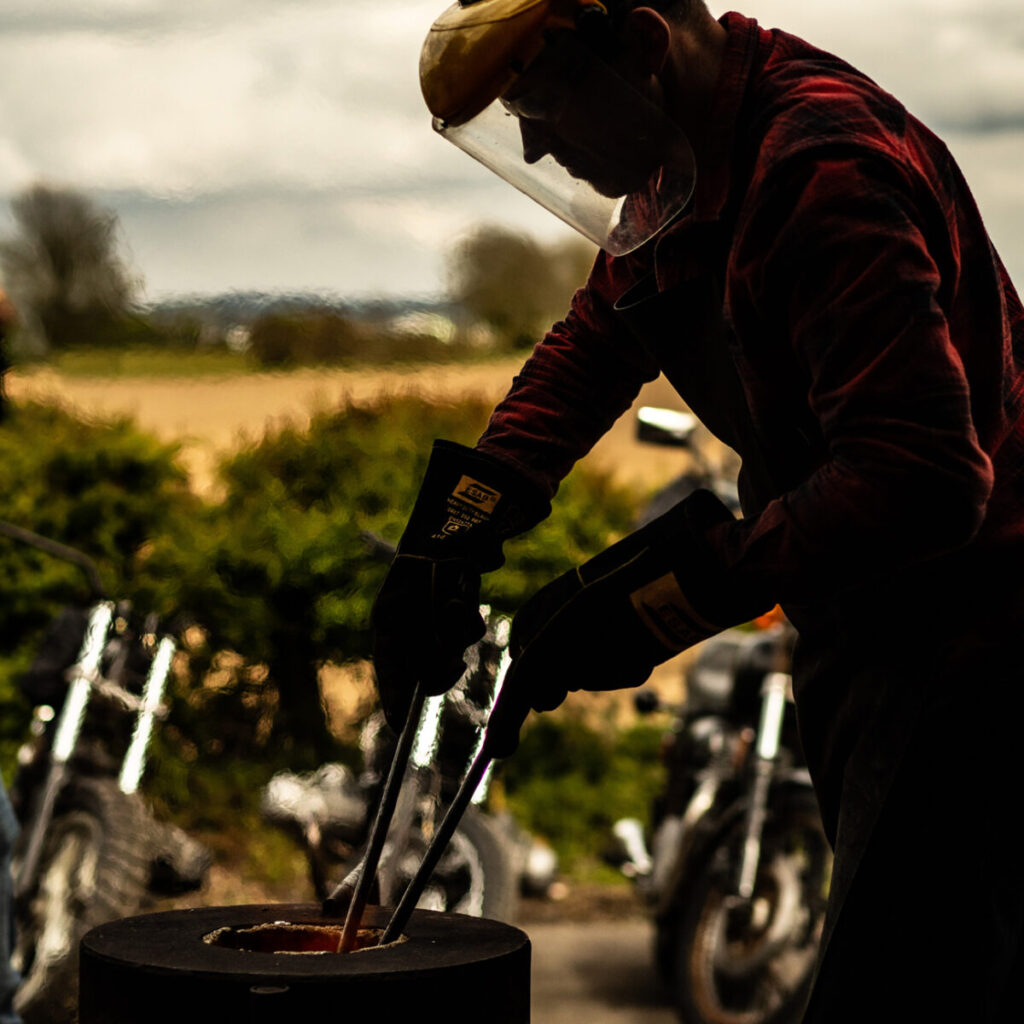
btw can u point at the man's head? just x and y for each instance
(679, 12)
(597, 125)
(543, 90)
(477, 48)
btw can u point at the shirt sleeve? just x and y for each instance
(583, 375)
(850, 263)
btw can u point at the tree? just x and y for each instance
(513, 283)
(303, 338)
(63, 269)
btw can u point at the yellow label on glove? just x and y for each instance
(469, 504)
(483, 498)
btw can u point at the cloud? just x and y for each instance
(288, 138)
(128, 17)
(350, 243)
(195, 98)
(954, 63)
(297, 94)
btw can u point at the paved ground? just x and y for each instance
(596, 972)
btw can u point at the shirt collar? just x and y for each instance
(715, 171)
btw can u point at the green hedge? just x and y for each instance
(276, 579)
(104, 488)
(570, 783)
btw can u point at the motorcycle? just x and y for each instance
(738, 867)
(490, 860)
(89, 849)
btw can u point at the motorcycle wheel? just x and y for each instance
(476, 875)
(753, 962)
(95, 867)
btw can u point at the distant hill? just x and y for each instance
(242, 307)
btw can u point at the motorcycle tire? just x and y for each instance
(94, 868)
(477, 875)
(753, 962)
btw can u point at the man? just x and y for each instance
(828, 302)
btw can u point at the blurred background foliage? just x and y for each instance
(268, 578)
(514, 284)
(268, 582)
(570, 782)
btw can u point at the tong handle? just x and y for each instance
(440, 840)
(381, 824)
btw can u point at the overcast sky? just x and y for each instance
(283, 144)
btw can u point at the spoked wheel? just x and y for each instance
(751, 961)
(94, 868)
(475, 876)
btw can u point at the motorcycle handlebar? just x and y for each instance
(58, 550)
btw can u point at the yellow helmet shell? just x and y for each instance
(472, 53)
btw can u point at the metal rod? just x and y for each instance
(379, 832)
(469, 792)
(400, 918)
(66, 733)
(773, 708)
(502, 631)
(152, 697)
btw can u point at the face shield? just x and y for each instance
(570, 132)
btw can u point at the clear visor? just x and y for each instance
(574, 136)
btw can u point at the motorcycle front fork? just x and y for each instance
(69, 725)
(773, 706)
(86, 677)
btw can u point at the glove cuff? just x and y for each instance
(469, 504)
(676, 584)
(715, 599)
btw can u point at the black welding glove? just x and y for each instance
(428, 609)
(606, 624)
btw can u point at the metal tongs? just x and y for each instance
(367, 869)
(440, 840)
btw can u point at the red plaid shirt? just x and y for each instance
(830, 306)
